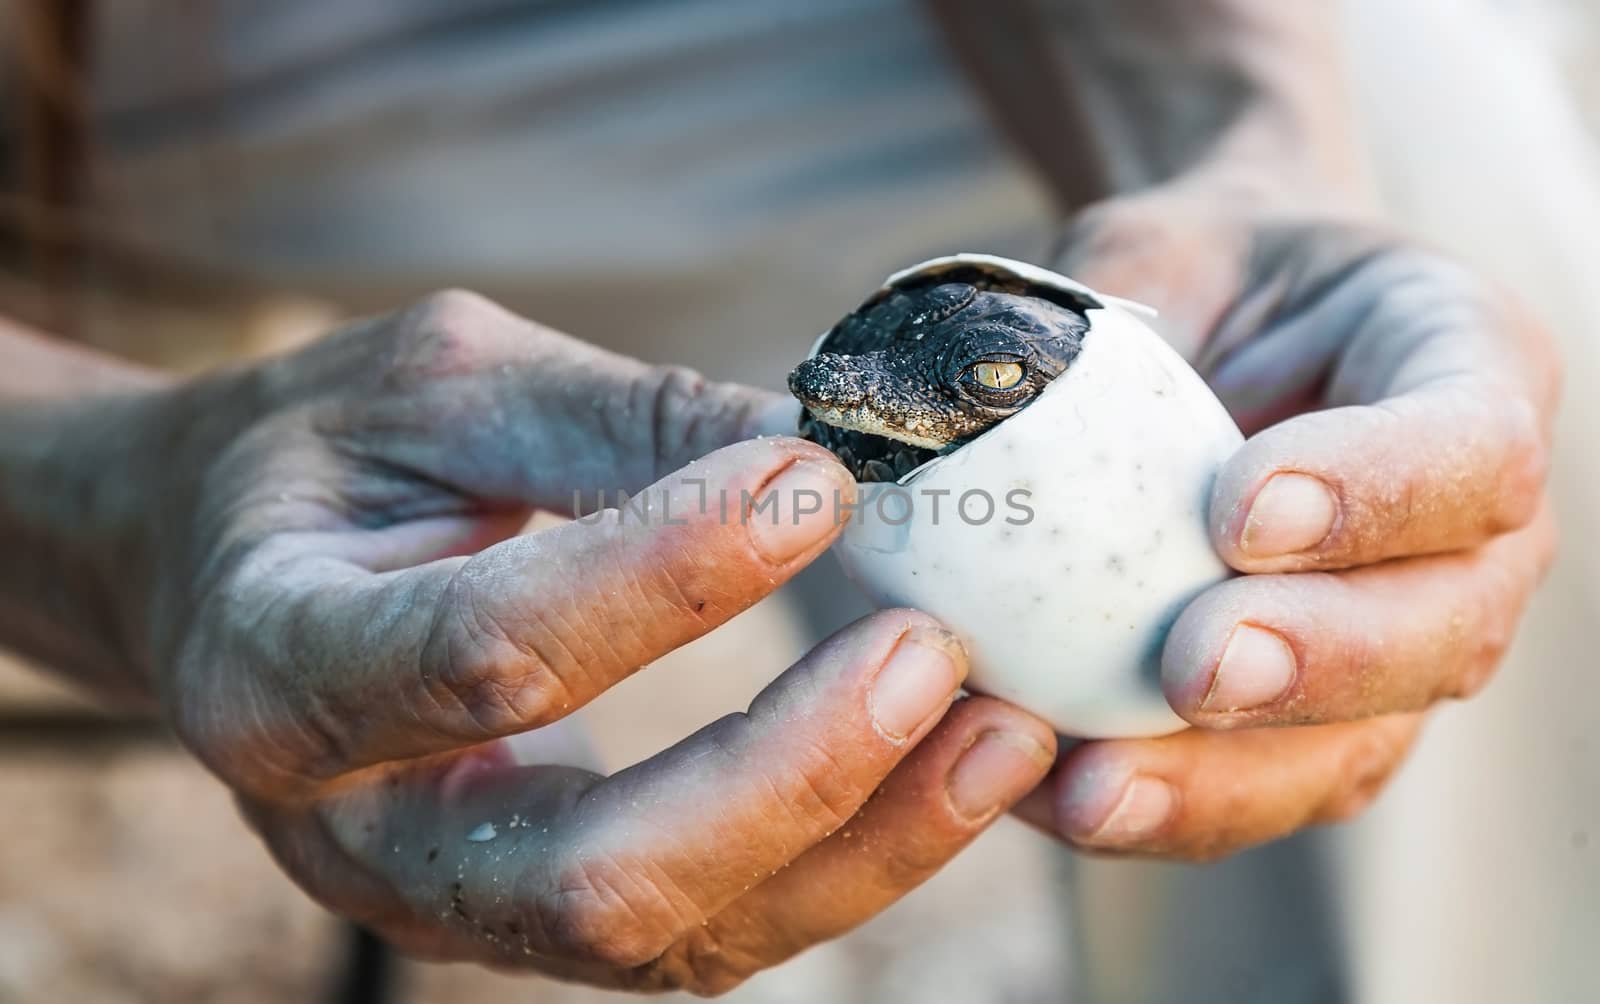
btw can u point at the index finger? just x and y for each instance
(1441, 441)
(504, 410)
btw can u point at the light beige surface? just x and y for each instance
(1478, 878)
(125, 875)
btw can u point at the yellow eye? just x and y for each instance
(998, 376)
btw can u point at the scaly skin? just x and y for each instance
(898, 381)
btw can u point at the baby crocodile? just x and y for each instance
(927, 365)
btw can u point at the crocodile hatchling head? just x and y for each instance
(931, 362)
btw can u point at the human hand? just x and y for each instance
(1389, 506)
(338, 617)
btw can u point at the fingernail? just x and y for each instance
(996, 770)
(1145, 806)
(1257, 667)
(1291, 513)
(917, 682)
(1087, 814)
(798, 509)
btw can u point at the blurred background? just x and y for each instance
(711, 182)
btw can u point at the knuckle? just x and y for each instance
(455, 310)
(916, 860)
(284, 753)
(675, 398)
(451, 331)
(700, 963)
(478, 668)
(601, 913)
(329, 746)
(324, 720)
(253, 727)
(822, 792)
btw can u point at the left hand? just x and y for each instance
(1389, 505)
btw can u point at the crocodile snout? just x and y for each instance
(828, 381)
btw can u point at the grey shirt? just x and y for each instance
(734, 173)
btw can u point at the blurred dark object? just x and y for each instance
(369, 970)
(52, 52)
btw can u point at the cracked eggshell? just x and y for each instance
(1064, 611)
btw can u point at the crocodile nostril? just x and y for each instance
(828, 380)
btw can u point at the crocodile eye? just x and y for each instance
(997, 376)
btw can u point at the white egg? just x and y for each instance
(1061, 544)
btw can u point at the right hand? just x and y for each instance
(1401, 406)
(339, 617)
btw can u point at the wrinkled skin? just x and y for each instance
(1410, 403)
(342, 620)
(325, 588)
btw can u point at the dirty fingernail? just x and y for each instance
(1256, 668)
(1291, 513)
(798, 509)
(1147, 803)
(996, 770)
(918, 681)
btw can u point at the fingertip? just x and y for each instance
(813, 453)
(979, 713)
(1088, 784)
(1292, 513)
(919, 678)
(1103, 799)
(1194, 648)
(1269, 516)
(785, 498)
(1235, 485)
(908, 622)
(982, 758)
(1022, 751)
(924, 630)
(998, 767)
(769, 454)
(1440, 468)
(779, 455)
(1224, 661)
(900, 665)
